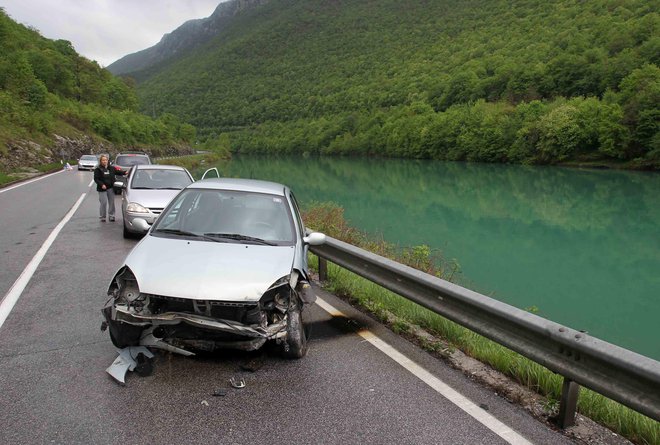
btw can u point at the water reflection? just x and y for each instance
(582, 246)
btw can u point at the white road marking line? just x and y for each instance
(90, 184)
(29, 182)
(438, 385)
(14, 293)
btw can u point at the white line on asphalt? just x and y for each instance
(29, 182)
(19, 285)
(90, 184)
(438, 385)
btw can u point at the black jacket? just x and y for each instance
(106, 176)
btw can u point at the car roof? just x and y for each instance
(242, 185)
(157, 167)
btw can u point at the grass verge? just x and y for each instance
(27, 173)
(328, 218)
(6, 178)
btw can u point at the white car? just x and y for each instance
(224, 266)
(87, 162)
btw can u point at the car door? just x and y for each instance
(301, 233)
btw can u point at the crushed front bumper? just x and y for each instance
(182, 330)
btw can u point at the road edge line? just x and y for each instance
(29, 181)
(15, 291)
(488, 420)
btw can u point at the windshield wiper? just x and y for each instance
(184, 233)
(168, 188)
(239, 237)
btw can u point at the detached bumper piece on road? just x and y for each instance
(137, 358)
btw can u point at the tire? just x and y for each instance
(117, 191)
(295, 344)
(123, 335)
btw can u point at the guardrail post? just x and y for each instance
(568, 403)
(323, 269)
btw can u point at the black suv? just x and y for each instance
(125, 161)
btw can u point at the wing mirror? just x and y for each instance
(314, 239)
(141, 224)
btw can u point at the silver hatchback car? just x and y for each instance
(224, 266)
(87, 162)
(148, 189)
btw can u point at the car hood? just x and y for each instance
(152, 198)
(206, 270)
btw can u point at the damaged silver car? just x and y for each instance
(224, 266)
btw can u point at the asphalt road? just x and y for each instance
(54, 389)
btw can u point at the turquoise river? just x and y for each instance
(581, 246)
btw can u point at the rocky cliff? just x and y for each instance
(183, 39)
(25, 153)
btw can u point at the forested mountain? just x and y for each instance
(483, 80)
(47, 89)
(183, 39)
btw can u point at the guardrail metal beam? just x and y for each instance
(615, 372)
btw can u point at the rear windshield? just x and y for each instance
(127, 160)
(157, 179)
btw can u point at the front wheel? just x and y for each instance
(117, 191)
(127, 234)
(295, 344)
(123, 335)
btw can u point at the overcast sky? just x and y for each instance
(106, 30)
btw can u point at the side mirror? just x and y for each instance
(314, 239)
(141, 224)
(119, 185)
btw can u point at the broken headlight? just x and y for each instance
(277, 296)
(125, 290)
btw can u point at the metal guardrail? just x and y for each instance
(617, 373)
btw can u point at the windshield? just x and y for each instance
(128, 161)
(88, 158)
(158, 179)
(228, 216)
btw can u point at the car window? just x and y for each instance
(227, 212)
(128, 161)
(156, 179)
(88, 158)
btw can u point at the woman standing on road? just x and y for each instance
(104, 177)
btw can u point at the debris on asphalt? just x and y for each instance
(237, 383)
(145, 365)
(127, 360)
(205, 403)
(220, 392)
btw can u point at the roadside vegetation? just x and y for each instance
(9, 177)
(195, 164)
(46, 88)
(328, 218)
(524, 82)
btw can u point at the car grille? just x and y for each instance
(226, 310)
(156, 210)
